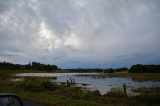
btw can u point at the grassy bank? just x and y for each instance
(52, 94)
(5, 73)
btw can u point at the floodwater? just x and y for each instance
(103, 85)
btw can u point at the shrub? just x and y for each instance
(33, 84)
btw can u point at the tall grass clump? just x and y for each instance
(116, 92)
(36, 84)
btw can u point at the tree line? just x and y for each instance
(107, 70)
(139, 68)
(31, 66)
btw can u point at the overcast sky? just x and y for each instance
(80, 33)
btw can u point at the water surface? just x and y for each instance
(88, 80)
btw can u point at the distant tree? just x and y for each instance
(34, 66)
(121, 69)
(139, 68)
(110, 70)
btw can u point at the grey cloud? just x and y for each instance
(80, 33)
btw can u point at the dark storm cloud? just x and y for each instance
(80, 33)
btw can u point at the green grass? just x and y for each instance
(51, 94)
(116, 92)
(155, 90)
(150, 96)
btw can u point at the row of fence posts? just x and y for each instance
(71, 82)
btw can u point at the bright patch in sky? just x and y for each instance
(80, 33)
(80, 3)
(72, 41)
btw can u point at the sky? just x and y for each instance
(80, 33)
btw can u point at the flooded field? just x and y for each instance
(96, 81)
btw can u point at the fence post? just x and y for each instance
(68, 84)
(71, 81)
(124, 88)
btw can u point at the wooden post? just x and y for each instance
(74, 81)
(71, 81)
(124, 88)
(68, 84)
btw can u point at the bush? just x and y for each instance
(48, 85)
(33, 84)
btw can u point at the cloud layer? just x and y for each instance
(80, 33)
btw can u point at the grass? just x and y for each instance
(116, 92)
(150, 96)
(133, 76)
(51, 94)
(155, 90)
(41, 90)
